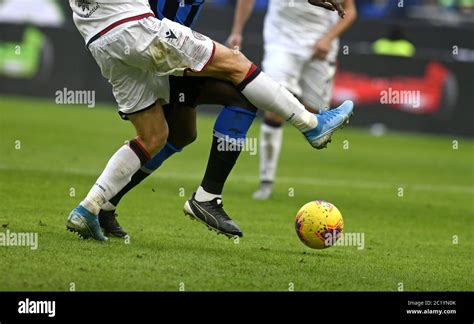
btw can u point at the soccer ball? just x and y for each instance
(319, 224)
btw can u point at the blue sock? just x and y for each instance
(233, 122)
(161, 157)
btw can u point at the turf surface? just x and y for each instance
(410, 195)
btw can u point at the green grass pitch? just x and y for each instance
(421, 240)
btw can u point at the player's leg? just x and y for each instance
(317, 84)
(232, 125)
(271, 138)
(229, 135)
(285, 68)
(180, 115)
(191, 51)
(139, 94)
(151, 132)
(257, 87)
(268, 95)
(181, 120)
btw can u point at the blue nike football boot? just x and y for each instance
(85, 224)
(328, 122)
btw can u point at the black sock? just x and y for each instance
(219, 166)
(138, 177)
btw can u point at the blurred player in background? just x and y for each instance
(301, 46)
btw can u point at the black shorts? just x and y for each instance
(183, 91)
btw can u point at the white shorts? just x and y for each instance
(138, 57)
(311, 80)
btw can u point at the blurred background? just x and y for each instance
(418, 45)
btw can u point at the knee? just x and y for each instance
(238, 67)
(183, 139)
(153, 142)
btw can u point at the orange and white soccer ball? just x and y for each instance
(319, 224)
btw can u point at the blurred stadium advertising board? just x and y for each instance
(408, 94)
(430, 92)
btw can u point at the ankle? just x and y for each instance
(202, 195)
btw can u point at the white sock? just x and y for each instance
(202, 195)
(269, 95)
(270, 147)
(118, 172)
